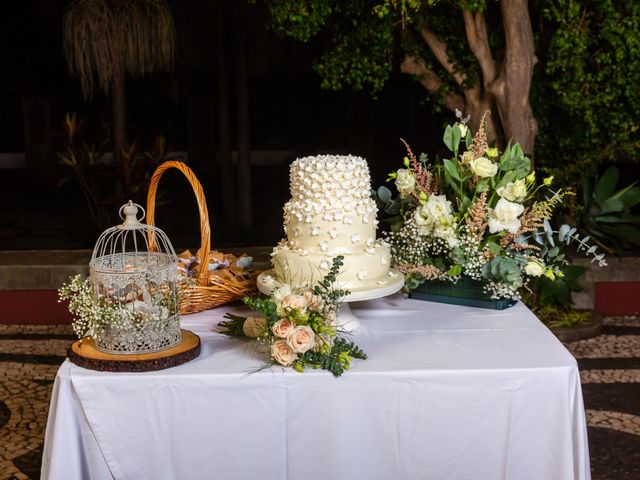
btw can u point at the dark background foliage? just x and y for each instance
(312, 88)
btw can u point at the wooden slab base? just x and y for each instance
(85, 354)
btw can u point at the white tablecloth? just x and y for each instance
(448, 392)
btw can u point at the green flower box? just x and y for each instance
(466, 291)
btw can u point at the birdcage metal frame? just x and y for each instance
(139, 283)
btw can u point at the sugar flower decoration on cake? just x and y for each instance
(479, 214)
(298, 326)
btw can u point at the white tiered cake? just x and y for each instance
(331, 213)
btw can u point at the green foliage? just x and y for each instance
(607, 215)
(105, 184)
(300, 20)
(233, 326)
(586, 94)
(325, 286)
(503, 270)
(559, 290)
(337, 360)
(266, 306)
(556, 317)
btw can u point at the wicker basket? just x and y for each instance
(210, 289)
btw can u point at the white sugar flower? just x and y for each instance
(505, 216)
(483, 167)
(514, 191)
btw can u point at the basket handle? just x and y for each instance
(205, 229)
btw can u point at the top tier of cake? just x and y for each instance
(330, 204)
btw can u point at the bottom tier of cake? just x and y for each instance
(360, 271)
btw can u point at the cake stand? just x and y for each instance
(347, 321)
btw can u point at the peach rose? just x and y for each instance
(282, 327)
(282, 353)
(301, 338)
(253, 327)
(314, 302)
(295, 302)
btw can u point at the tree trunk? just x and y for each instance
(503, 88)
(119, 106)
(226, 168)
(513, 86)
(244, 137)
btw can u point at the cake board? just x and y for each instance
(85, 354)
(346, 319)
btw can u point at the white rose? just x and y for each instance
(301, 339)
(282, 353)
(253, 327)
(505, 216)
(514, 191)
(282, 327)
(295, 302)
(405, 181)
(534, 269)
(483, 167)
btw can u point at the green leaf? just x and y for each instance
(629, 196)
(606, 185)
(455, 270)
(451, 169)
(494, 248)
(456, 138)
(448, 137)
(611, 205)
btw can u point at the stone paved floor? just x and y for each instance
(609, 368)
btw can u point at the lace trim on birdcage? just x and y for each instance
(122, 280)
(151, 335)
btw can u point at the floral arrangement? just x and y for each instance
(126, 307)
(299, 327)
(479, 214)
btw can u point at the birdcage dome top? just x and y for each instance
(132, 247)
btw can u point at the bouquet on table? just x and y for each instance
(299, 327)
(479, 214)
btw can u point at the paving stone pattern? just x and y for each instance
(609, 369)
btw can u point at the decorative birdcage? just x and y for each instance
(133, 273)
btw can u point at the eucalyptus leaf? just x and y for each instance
(384, 194)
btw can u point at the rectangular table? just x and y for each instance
(448, 392)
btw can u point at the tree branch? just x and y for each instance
(430, 80)
(439, 49)
(478, 39)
